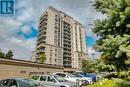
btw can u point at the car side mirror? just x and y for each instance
(37, 84)
(13, 86)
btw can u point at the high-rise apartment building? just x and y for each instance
(61, 38)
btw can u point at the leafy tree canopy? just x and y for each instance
(118, 16)
(88, 66)
(114, 33)
(42, 58)
(9, 54)
(1, 54)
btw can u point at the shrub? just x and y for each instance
(103, 83)
(122, 83)
(123, 74)
(112, 75)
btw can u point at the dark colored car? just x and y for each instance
(18, 82)
(93, 76)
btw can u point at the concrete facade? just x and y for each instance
(19, 68)
(62, 39)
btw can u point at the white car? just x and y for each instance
(52, 81)
(70, 77)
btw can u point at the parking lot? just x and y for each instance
(19, 73)
(57, 79)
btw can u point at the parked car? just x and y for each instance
(18, 82)
(90, 75)
(99, 76)
(103, 74)
(70, 77)
(84, 78)
(53, 81)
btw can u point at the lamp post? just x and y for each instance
(93, 60)
(93, 55)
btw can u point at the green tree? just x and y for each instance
(102, 66)
(88, 66)
(42, 58)
(1, 54)
(117, 17)
(114, 33)
(113, 53)
(9, 54)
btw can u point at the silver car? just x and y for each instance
(53, 81)
(70, 77)
(18, 82)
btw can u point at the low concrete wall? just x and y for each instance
(19, 68)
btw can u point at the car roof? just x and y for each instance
(61, 73)
(46, 75)
(17, 78)
(20, 78)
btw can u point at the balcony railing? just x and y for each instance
(44, 19)
(40, 42)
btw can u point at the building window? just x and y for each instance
(56, 50)
(55, 54)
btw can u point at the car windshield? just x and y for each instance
(29, 81)
(77, 75)
(35, 77)
(60, 79)
(71, 76)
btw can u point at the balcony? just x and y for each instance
(40, 50)
(67, 45)
(66, 25)
(40, 45)
(67, 54)
(44, 16)
(67, 60)
(40, 42)
(42, 37)
(67, 41)
(43, 32)
(44, 24)
(44, 19)
(67, 35)
(67, 50)
(67, 30)
(67, 65)
(43, 28)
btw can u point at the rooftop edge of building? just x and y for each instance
(29, 63)
(59, 11)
